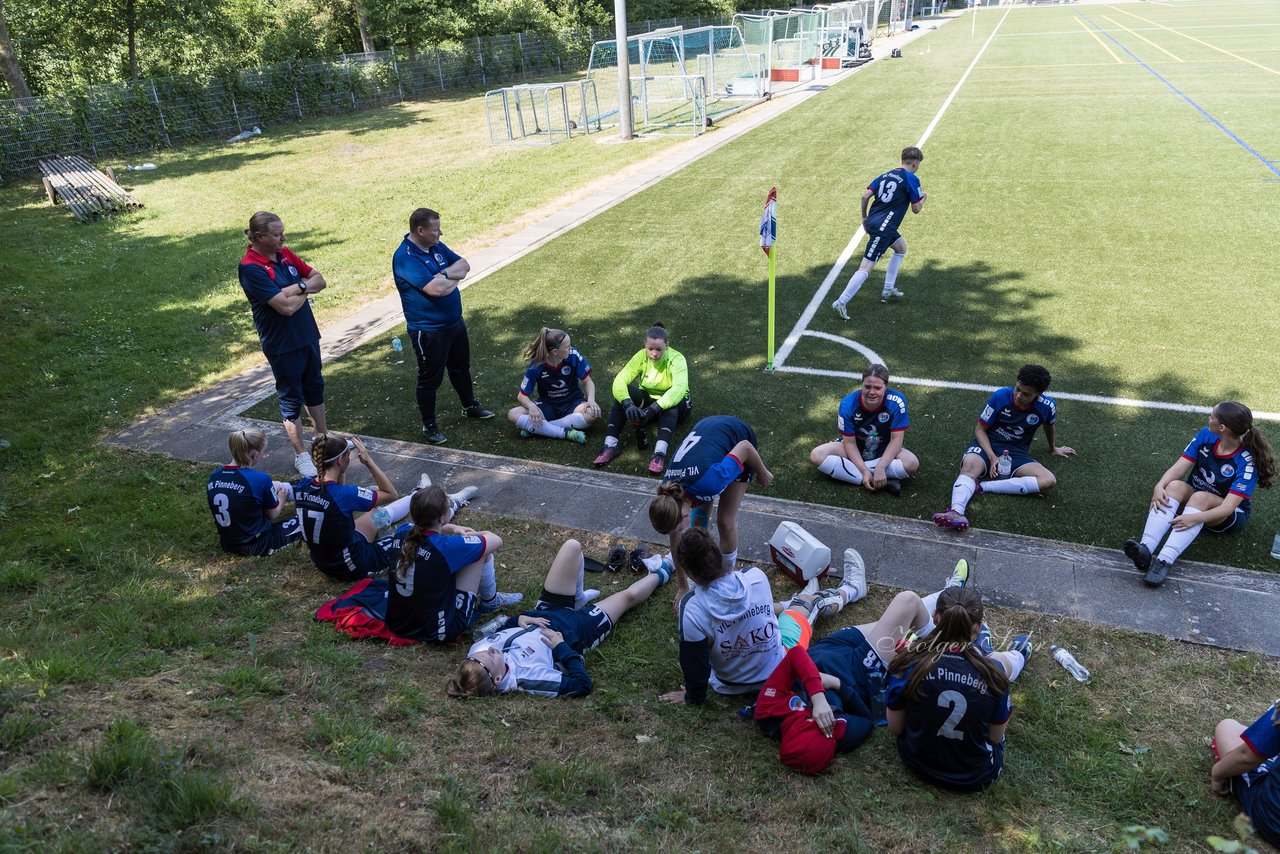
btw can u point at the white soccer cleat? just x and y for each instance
(840, 310)
(462, 497)
(306, 468)
(424, 481)
(959, 575)
(855, 576)
(810, 587)
(890, 292)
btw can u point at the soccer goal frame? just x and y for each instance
(541, 113)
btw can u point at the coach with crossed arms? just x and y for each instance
(428, 275)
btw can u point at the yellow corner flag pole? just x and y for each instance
(768, 236)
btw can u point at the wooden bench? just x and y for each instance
(87, 192)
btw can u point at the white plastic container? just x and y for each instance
(798, 553)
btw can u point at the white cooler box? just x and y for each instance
(798, 553)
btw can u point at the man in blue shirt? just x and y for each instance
(428, 275)
(893, 192)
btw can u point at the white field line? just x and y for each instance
(1057, 395)
(793, 338)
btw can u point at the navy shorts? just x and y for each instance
(1235, 522)
(358, 559)
(583, 630)
(459, 617)
(878, 244)
(1019, 456)
(556, 411)
(983, 780)
(298, 380)
(1259, 795)
(270, 541)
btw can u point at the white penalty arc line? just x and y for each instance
(988, 389)
(793, 337)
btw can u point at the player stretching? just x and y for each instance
(999, 453)
(893, 192)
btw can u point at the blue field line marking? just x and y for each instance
(1240, 142)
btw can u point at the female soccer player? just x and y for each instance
(654, 386)
(1225, 461)
(555, 370)
(540, 652)
(719, 457)
(1248, 757)
(869, 452)
(245, 502)
(442, 578)
(948, 696)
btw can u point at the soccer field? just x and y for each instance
(1100, 201)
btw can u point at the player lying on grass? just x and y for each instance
(246, 503)
(442, 576)
(559, 375)
(1245, 769)
(893, 192)
(732, 633)
(653, 386)
(1211, 485)
(872, 422)
(948, 696)
(813, 718)
(1005, 429)
(540, 652)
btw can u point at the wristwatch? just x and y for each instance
(303, 285)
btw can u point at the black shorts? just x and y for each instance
(270, 541)
(298, 380)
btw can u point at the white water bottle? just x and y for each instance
(489, 628)
(1004, 465)
(1067, 660)
(397, 344)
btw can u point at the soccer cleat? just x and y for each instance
(423, 482)
(524, 434)
(1139, 554)
(893, 486)
(658, 465)
(983, 641)
(302, 462)
(475, 410)
(642, 439)
(906, 641)
(606, 455)
(664, 570)
(636, 558)
(855, 576)
(959, 575)
(585, 598)
(890, 292)
(951, 519)
(617, 557)
(461, 498)
(498, 602)
(1022, 644)
(840, 310)
(576, 436)
(1156, 575)
(433, 435)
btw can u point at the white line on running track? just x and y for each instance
(793, 338)
(1057, 395)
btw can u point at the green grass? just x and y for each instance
(158, 695)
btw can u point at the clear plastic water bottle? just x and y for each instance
(489, 628)
(397, 344)
(1067, 660)
(1275, 547)
(1004, 465)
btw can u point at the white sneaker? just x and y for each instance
(855, 576)
(424, 481)
(462, 497)
(586, 598)
(306, 468)
(810, 587)
(890, 292)
(840, 310)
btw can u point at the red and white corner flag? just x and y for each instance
(769, 221)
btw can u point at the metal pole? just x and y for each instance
(164, 128)
(625, 126)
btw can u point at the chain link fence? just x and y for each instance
(145, 115)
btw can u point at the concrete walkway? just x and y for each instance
(1201, 603)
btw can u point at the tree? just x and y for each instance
(9, 62)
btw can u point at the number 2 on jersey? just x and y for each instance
(959, 705)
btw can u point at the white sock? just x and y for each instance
(1026, 485)
(1178, 542)
(288, 488)
(582, 574)
(660, 447)
(931, 602)
(836, 466)
(961, 491)
(928, 627)
(488, 581)
(611, 441)
(852, 592)
(855, 284)
(572, 421)
(729, 559)
(1158, 522)
(390, 514)
(585, 598)
(897, 470)
(541, 428)
(891, 272)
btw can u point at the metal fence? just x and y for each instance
(145, 115)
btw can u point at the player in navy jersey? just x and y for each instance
(948, 696)
(436, 571)
(559, 375)
(540, 652)
(246, 503)
(1211, 485)
(1007, 425)
(869, 452)
(718, 458)
(1247, 769)
(893, 192)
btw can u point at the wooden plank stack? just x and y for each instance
(86, 191)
